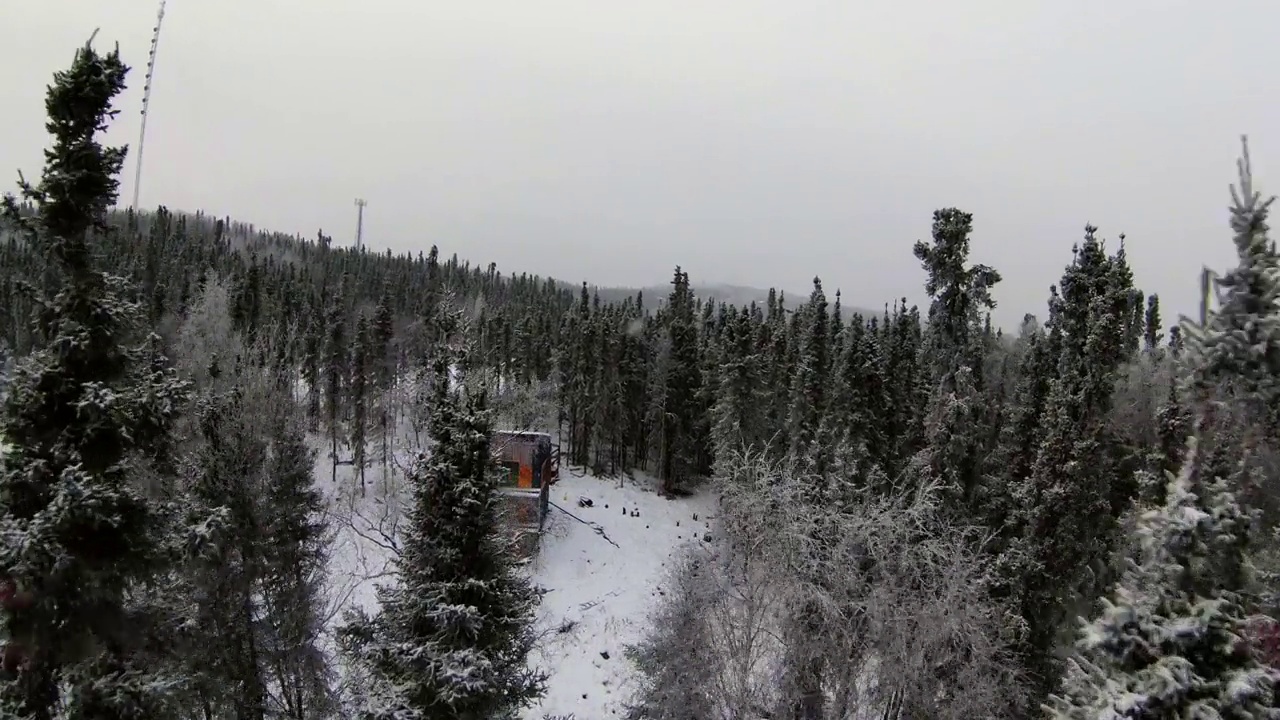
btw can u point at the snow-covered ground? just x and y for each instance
(602, 580)
(602, 566)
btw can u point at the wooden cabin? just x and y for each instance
(530, 459)
(531, 465)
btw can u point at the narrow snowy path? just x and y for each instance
(603, 579)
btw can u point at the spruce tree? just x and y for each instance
(1169, 645)
(227, 671)
(809, 386)
(335, 370)
(83, 410)
(1152, 333)
(296, 550)
(956, 428)
(451, 639)
(1022, 428)
(1068, 507)
(959, 292)
(859, 406)
(385, 362)
(313, 362)
(683, 382)
(1173, 424)
(1240, 344)
(739, 413)
(359, 386)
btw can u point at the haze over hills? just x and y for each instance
(734, 294)
(737, 295)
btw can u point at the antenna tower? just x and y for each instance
(146, 100)
(360, 203)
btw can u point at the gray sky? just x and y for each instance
(751, 141)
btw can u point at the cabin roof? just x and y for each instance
(530, 434)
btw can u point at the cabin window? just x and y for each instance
(511, 473)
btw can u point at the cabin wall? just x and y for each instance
(520, 450)
(521, 517)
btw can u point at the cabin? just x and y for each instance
(530, 462)
(530, 459)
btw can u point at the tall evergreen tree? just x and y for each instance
(1152, 334)
(335, 370)
(1170, 643)
(956, 431)
(383, 340)
(361, 385)
(451, 640)
(313, 362)
(683, 382)
(1241, 341)
(960, 292)
(228, 673)
(739, 413)
(83, 411)
(296, 550)
(809, 386)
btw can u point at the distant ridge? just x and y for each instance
(737, 295)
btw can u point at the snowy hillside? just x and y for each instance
(602, 566)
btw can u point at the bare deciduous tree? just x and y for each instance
(208, 345)
(896, 592)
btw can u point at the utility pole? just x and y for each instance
(360, 203)
(146, 100)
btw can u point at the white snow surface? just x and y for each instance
(598, 596)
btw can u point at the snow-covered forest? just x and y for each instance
(248, 475)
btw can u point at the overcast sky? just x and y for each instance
(753, 142)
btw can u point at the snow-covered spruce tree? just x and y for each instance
(802, 678)
(336, 369)
(860, 407)
(1021, 428)
(773, 341)
(84, 408)
(1239, 345)
(1152, 333)
(1236, 356)
(960, 293)
(313, 362)
(223, 653)
(1170, 644)
(385, 374)
(360, 384)
(1173, 424)
(906, 379)
(682, 383)
(1068, 508)
(741, 403)
(451, 640)
(956, 426)
(296, 550)
(809, 385)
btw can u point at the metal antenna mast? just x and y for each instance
(360, 203)
(146, 100)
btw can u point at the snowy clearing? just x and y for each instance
(601, 565)
(599, 596)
